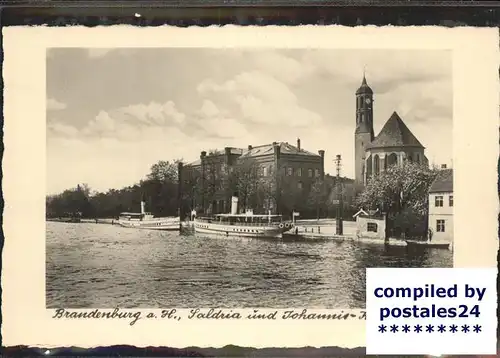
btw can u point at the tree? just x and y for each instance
(159, 190)
(191, 189)
(318, 196)
(402, 193)
(73, 202)
(212, 180)
(214, 152)
(164, 171)
(244, 180)
(284, 192)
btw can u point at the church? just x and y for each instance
(394, 145)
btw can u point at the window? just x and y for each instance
(372, 227)
(440, 226)
(310, 173)
(299, 185)
(264, 172)
(289, 171)
(299, 172)
(438, 201)
(451, 200)
(316, 173)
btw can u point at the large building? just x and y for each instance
(441, 206)
(393, 145)
(300, 168)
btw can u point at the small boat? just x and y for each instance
(428, 244)
(144, 220)
(242, 225)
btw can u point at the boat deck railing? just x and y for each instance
(243, 223)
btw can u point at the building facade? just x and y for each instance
(277, 162)
(394, 145)
(441, 207)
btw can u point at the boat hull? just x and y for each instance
(268, 231)
(165, 224)
(427, 244)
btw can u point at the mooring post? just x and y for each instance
(340, 223)
(180, 205)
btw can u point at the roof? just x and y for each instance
(269, 149)
(443, 182)
(232, 150)
(263, 150)
(395, 134)
(360, 212)
(364, 88)
(195, 163)
(238, 151)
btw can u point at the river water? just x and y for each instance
(107, 266)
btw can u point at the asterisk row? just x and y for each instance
(405, 328)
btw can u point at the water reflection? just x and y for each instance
(91, 265)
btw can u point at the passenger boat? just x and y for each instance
(144, 220)
(428, 244)
(242, 225)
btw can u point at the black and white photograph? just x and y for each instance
(240, 177)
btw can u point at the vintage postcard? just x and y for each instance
(214, 186)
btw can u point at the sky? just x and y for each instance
(112, 113)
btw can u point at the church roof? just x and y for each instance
(364, 89)
(395, 134)
(443, 182)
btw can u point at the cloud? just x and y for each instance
(55, 105)
(60, 129)
(98, 52)
(259, 98)
(136, 121)
(155, 113)
(386, 70)
(102, 124)
(427, 101)
(218, 123)
(285, 68)
(231, 98)
(209, 109)
(277, 114)
(255, 83)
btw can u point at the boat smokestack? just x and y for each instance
(143, 205)
(234, 205)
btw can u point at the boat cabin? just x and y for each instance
(135, 216)
(242, 219)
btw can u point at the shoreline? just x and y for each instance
(317, 232)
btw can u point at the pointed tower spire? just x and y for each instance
(364, 88)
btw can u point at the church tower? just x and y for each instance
(364, 128)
